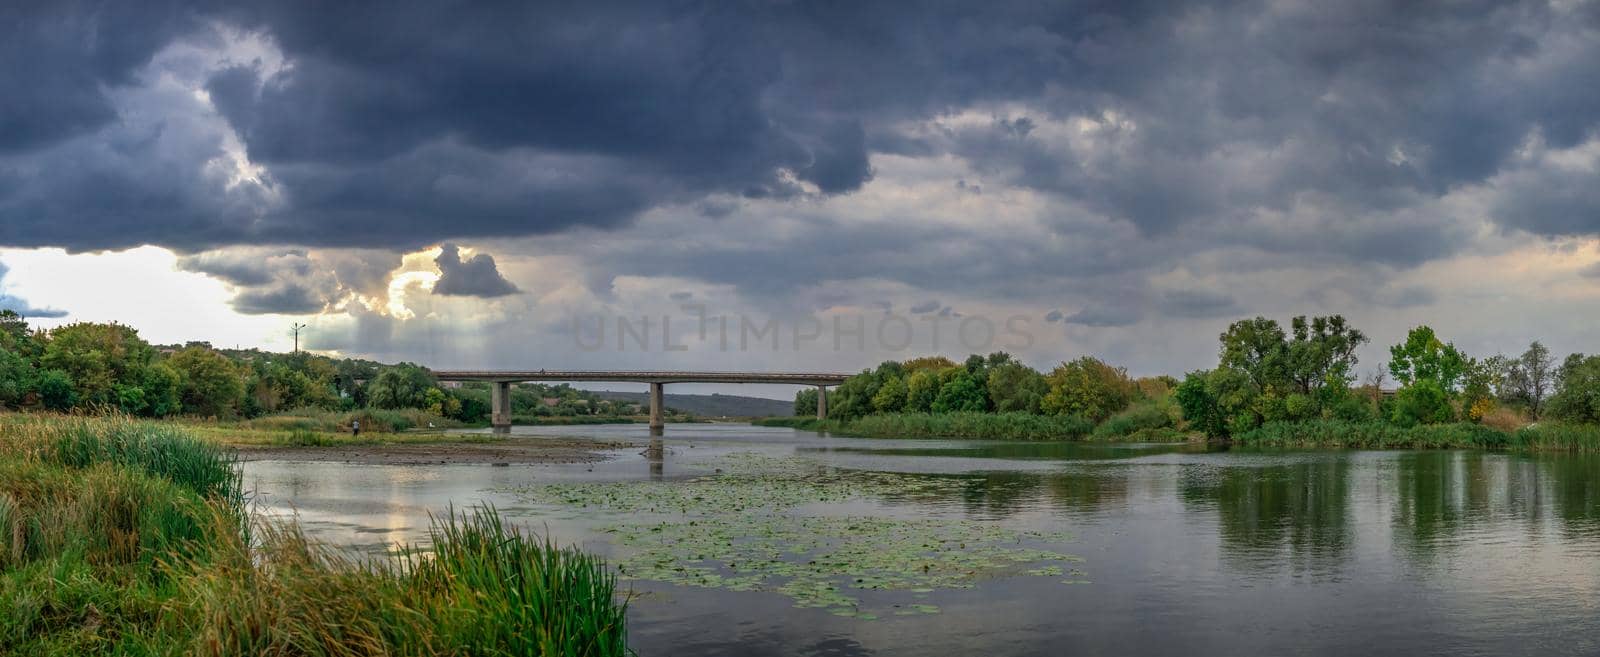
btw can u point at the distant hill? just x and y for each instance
(713, 405)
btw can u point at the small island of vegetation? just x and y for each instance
(1271, 387)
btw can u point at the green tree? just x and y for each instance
(163, 390)
(1577, 396)
(1321, 354)
(16, 377)
(16, 337)
(959, 393)
(403, 386)
(443, 404)
(891, 397)
(55, 390)
(1258, 348)
(1016, 387)
(805, 402)
(1424, 357)
(1477, 387)
(98, 358)
(1539, 376)
(1201, 407)
(212, 384)
(921, 389)
(1087, 387)
(1422, 402)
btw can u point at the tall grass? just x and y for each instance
(372, 419)
(1555, 437)
(157, 449)
(1373, 435)
(122, 537)
(527, 597)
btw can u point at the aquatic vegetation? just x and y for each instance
(761, 524)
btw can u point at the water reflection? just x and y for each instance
(1297, 513)
(656, 455)
(1442, 552)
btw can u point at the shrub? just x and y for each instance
(1145, 418)
(1422, 402)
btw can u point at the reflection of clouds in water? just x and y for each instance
(1347, 533)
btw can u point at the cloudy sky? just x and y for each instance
(501, 186)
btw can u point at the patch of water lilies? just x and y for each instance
(756, 525)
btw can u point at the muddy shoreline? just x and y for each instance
(518, 450)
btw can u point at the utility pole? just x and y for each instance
(297, 326)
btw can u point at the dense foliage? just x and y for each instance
(1271, 386)
(1295, 387)
(997, 396)
(108, 367)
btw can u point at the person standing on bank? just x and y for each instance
(355, 428)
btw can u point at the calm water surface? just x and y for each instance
(1188, 551)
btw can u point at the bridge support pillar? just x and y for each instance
(500, 406)
(658, 409)
(822, 402)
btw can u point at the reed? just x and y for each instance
(128, 538)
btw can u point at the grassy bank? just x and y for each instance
(1155, 424)
(1379, 435)
(314, 427)
(122, 537)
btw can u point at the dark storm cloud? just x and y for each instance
(398, 125)
(286, 299)
(58, 59)
(1551, 201)
(21, 306)
(248, 267)
(473, 277)
(925, 307)
(268, 280)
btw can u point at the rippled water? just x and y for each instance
(1187, 551)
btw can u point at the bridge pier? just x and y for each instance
(500, 406)
(658, 410)
(822, 402)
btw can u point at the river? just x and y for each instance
(1048, 549)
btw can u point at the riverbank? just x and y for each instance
(450, 449)
(1461, 435)
(1549, 437)
(124, 537)
(977, 426)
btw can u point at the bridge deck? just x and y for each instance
(795, 378)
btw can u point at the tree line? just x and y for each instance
(1265, 373)
(108, 367)
(997, 383)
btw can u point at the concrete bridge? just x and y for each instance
(500, 392)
